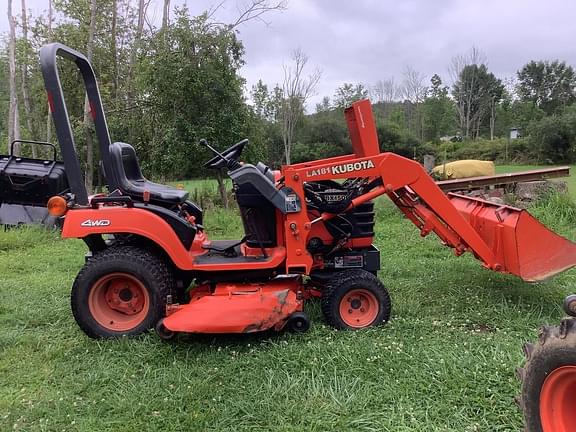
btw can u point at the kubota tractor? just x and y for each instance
(309, 232)
(548, 397)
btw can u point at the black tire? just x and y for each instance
(163, 333)
(298, 323)
(342, 286)
(181, 279)
(556, 347)
(570, 305)
(148, 272)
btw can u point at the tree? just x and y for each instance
(324, 106)
(165, 14)
(88, 124)
(548, 85)
(4, 97)
(135, 47)
(49, 37)
(348, 93)
(464, 91)
(438, 111)
(385, 91)
(414, 92)
(24, 66)
(476, 93)
(296, 90)
(261, 100)
(250, 11)
(114, 48)
(553, 138)
(413, 87)
(13, 119)
(322, 135)
(201, 98)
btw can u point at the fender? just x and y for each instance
(79, 223)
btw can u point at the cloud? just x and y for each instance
(363, 41)
(367, 40)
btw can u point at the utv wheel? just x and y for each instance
(549, 380)
(355, 299)
(121, 291)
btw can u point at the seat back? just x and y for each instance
(130, 163)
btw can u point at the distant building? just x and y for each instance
(515, 133)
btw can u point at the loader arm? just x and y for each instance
(412, 190)
(503, 238)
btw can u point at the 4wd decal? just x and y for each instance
(95, 223)
(342, 168)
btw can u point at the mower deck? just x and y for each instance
(237, 308)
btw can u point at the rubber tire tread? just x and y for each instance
(549, 353)
(346, 280)
(179, 294)
(152, 270)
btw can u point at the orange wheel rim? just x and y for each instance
(119, 302)
(359, 308)
(558, 400)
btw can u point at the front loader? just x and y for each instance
(309, 231)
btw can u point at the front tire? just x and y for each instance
(548, 398)
(121, 291)
(355, 299)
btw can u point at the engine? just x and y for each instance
(348, 229)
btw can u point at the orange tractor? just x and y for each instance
(309, 232)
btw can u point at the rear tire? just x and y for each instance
(355, 299)
(548, 398)
(121, 291)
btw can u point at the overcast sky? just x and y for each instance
(367, 40)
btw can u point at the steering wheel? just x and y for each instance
(228, 158)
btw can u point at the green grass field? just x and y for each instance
(445, 362)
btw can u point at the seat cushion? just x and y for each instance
(131, 182)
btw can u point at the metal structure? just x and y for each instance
(503, 179)
(26, 184)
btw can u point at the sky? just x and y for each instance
(363, 41)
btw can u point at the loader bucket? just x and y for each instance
(521, 244)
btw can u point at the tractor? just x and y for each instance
(309, 231)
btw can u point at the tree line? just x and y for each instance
(471, 118)
(165, 85)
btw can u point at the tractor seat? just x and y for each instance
(131, 182)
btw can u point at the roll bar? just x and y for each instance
(48, 65)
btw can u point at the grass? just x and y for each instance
(445, 362)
